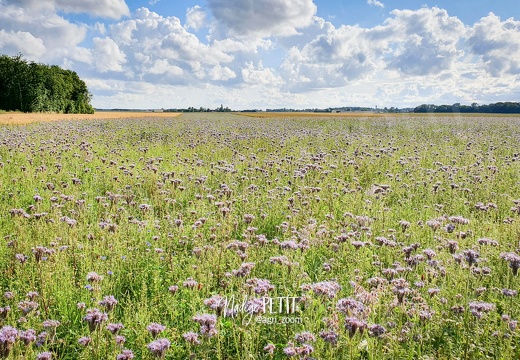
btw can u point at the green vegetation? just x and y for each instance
(31, 87)
(399, 237)
(496, 108)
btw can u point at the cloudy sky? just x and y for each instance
(261, 54)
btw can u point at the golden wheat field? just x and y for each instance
(15, 118)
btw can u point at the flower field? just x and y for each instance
(210, 236)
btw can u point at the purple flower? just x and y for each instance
(509, 292)
(85, 340)
(8, 336)
(191, 337)
(245, 269)
(471, 256)
(354, 325)
(4, 311)
(28, 336)
(158, 347)
(125, 355)
(155, 329)
(94, 277)
(50, 324)
(207, 324)
(513, 259)
(27, 306)
(109, 302)
(114, 328)
(95, 318)
(270, 348)
(478, 308)
(376, 330)
(304, 337)
(44, 356)
(190, 283)
(329, 336)
(120, 340)
(350, 306)
(326, 288)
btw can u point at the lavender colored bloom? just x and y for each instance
(85, 340)
(94, 277)
(260, 286)
(44, 356)
(376, 330)
(42, 338)
(255, 306)
(120, 340)
(513, 259)
(191, 337)
(245, 269)
(478, 308)
(471, 256)
(27, 306)
(207, 324)
(304, 350)
(190, 283)
(31, 295)
(349, 306)
(109, 302)
(304, 337)
(401, 288)
(125, 355)
(290, 350)
(114, 328)
(28, 336)
(173, 289)
(216, 302)
(155, 329)
(326, 288)
(158, 347)
(50, 324)
(4, 311)
(95, 318)
(21, 258)
(509, 292)
(330, 337)
(354, 325)
(270, 348)
(8, 336)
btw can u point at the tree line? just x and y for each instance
(31, 87)
(496, 108)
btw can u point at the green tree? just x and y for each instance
(32, 87)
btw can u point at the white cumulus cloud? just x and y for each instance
(498, 43)
(107, 55)
(375, 3)
(195, 18)
(114, 9)
(263, 18)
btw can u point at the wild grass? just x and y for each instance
(399, 236)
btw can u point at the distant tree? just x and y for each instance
(31, 87)
(497, 108)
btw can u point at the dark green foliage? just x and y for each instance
(496, 108)
(31, 87)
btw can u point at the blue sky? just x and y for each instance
(274, 53)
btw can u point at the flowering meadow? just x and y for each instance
(213, 236)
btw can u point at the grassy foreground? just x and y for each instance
(212, 236)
